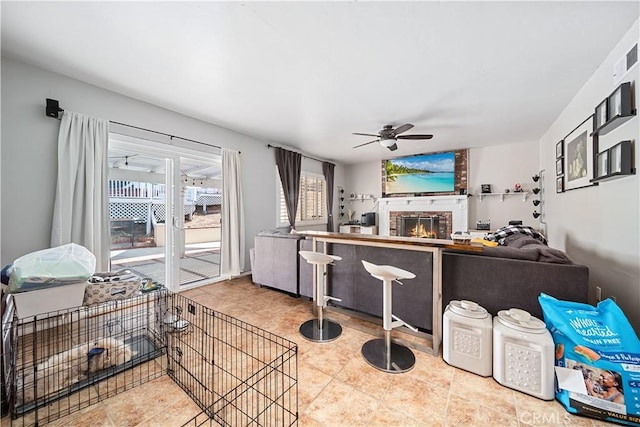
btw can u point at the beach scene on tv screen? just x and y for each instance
(424, 173)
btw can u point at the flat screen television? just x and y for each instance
(420, 174)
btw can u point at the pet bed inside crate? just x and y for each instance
(143, 346)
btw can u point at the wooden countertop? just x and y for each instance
(411, 241)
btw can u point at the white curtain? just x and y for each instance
(232, 214)
(81, 209)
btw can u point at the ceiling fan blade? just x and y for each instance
(367, 143)
(393, 147)
(414, 136)
(365, 134)
(402, 128)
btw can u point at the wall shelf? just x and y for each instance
(615, 110)
(362, 199)
(614, 162)
(522, 194)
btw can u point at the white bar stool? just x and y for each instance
(382, 353)
(320, 329)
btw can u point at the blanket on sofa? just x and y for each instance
(526, 247)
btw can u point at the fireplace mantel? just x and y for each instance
(458, 205)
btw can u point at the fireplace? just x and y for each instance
(440, 214)
(430, 227)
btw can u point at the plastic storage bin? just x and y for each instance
(467, 337)
(523, 353)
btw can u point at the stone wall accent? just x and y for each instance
(445, 227)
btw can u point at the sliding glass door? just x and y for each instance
(165, 212)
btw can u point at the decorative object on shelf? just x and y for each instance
(615, 162)
(517, 188)
(506, 191)
(578, 156)
(621, 159)
(602, 164)
(601, 114)
(485, 188)
(483, 225)
(616, 109)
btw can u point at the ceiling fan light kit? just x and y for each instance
(388, 136)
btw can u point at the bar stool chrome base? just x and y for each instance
(311, 330)
(401, 358)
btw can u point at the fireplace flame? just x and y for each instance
(421, 231)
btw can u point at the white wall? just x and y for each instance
(503, 166)
(362, 178)
(29, 154)
(599, 226)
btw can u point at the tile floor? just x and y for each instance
(336, 387)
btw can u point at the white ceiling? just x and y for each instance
(308, 74)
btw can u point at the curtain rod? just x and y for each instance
(308, 157)
(53, 108)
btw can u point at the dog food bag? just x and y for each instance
(597, 359)
(62, 265)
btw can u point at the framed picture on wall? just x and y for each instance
(559, 149)
(601, 114)
(559, 167)
(616, 159)
(615, 103)
(578, 156)
(560, 184)
(602, 164)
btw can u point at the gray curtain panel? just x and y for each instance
(327, 171)
(289, 168)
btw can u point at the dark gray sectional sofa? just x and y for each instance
(501, 283)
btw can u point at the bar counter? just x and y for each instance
(350, 282)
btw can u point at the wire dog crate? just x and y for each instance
(238, 374)
(58, 363)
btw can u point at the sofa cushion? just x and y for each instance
(511, 253)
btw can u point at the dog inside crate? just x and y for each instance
(61, 353)
(238, 374)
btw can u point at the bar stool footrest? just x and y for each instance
(401, 360)
(399, 322)
(312, 331)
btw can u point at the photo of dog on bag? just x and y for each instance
(600, 383)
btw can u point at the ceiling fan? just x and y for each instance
(388, 136)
